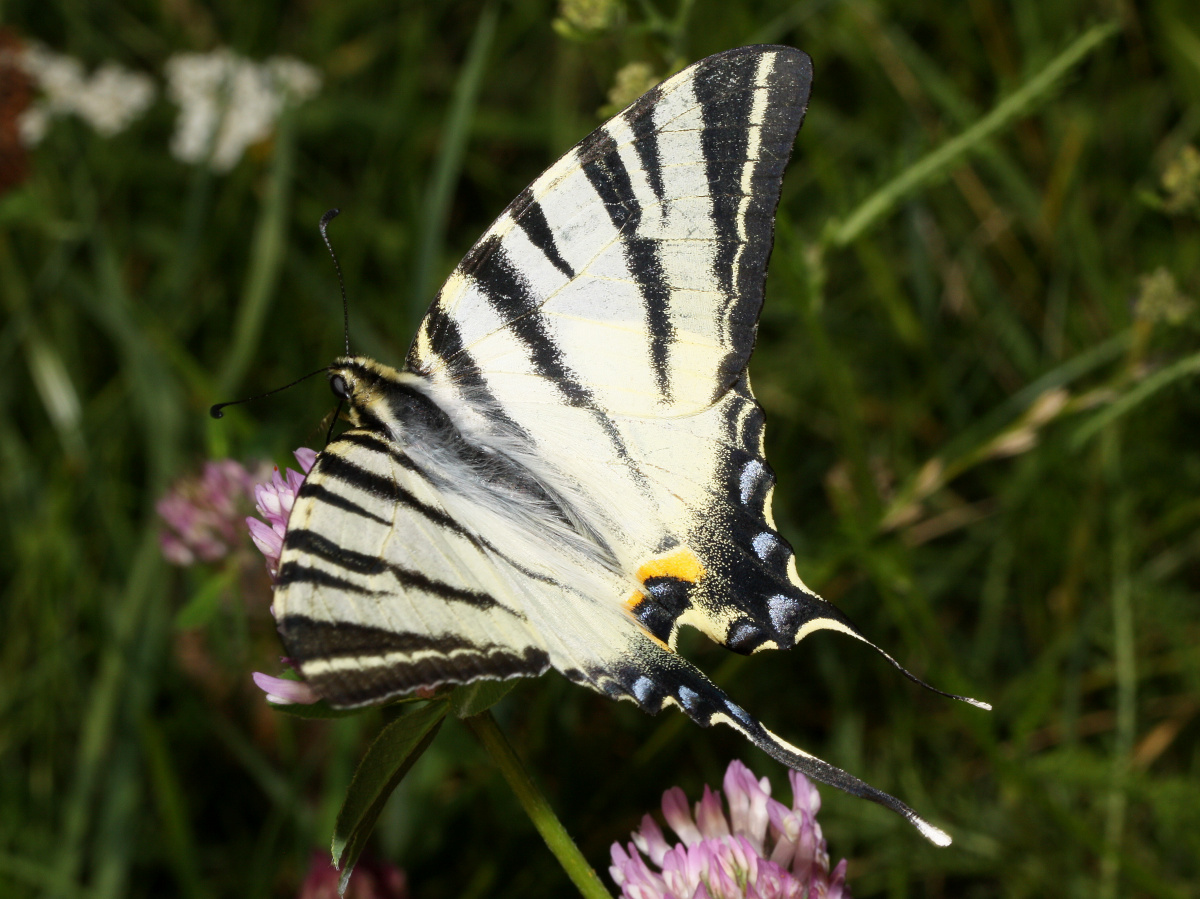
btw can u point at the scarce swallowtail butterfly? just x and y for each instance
(569, 465)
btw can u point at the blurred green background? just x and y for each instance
(977, 358)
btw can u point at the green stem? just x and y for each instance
(536, 806)
(446, 175)
(266, 260)
(1124, 652)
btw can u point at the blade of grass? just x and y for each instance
(103, 713)
(965, 450)
(449, 163)
(1182, 368)
(878, 204)
(170, 800)
(266, 259)
(1124, 650)
(16, 869)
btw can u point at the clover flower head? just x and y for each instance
(228, 102)
(202, 513)
(371, 879)
(273, 500)
(754, 847)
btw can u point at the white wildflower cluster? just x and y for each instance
(109, 100)
(228, 102)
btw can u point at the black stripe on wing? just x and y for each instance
(352, 665)
(726, 92)
(606, 172)
(506, 289)
(318, 492)
(640, 117)
(316, 546)
(353, 688)
(331, 466)
(723, 92)
(509, 293)
(308, 639)
(531, 219)
(446, 343)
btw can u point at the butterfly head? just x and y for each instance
(362, 384)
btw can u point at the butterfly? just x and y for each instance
(569, 467)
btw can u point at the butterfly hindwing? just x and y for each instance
(380, 591)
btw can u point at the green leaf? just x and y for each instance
(320, 709)
(472, 699)
(388, 759)
(323, 709)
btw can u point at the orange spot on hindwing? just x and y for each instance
(683, 565)
(666, 584)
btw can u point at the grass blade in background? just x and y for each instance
(444, 181)
(1019, 103)
(268, 247)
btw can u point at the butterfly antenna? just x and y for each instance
(325, 220)
(216, 412)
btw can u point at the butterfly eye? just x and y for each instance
(338, 385)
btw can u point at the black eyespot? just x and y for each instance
(338, 385)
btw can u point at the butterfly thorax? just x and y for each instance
(490, 467)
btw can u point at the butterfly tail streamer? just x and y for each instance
(977, 703)
(831, 618)
(660, 677)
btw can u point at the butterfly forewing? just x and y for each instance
(631, 272)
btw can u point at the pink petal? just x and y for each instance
(675, 810)
(293, 482)
(636, 879)
(266, 500)
(682, 867)
(306, 457)
(620, 858)
(710, 817)
(284, 692)
(651, 841)
(837, 883)
(786, 825)
(266, 538)
(747, 799)
(805, 796)
(174, 550)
